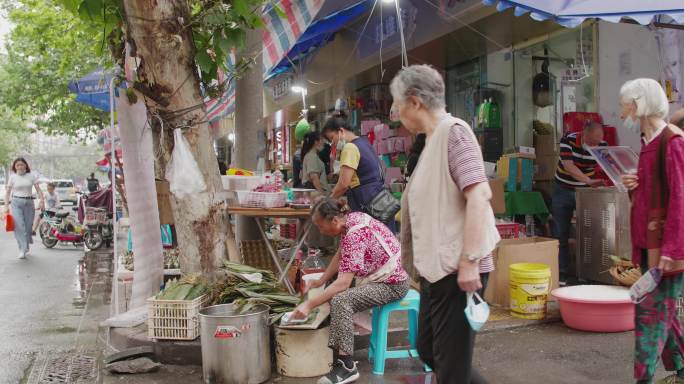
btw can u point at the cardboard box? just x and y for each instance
(545, 167)
(511, 251)
(545, 145)
(526, 152)
(498, 200)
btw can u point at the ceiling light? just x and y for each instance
(312, 106)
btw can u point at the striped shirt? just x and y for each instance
(467, 168)
(571, 149)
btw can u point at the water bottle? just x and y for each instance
(278, 180)
(529, 225)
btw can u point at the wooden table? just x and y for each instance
(302, 215)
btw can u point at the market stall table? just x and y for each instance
(302, 215)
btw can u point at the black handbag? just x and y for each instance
(384, 206)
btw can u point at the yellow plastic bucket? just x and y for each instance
(529, 288)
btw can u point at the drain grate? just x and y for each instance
(63, 369)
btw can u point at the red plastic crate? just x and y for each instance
(509, 230)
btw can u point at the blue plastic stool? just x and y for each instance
(377, 351)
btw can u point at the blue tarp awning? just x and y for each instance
(571, 13)
(93, 89)
(319, 33)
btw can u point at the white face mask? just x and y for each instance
(341, 142)
(633, 124)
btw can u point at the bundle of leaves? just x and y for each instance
(246, 287)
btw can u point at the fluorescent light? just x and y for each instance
(231, 136)
(388, 1)
(312, 106)
(297, 89)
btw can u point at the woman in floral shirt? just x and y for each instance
(368, 252)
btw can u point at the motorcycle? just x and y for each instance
(58, 226)
(98, 228)
(95, 212)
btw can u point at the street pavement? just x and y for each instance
(47, 305)
(52, 303)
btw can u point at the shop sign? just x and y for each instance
(280, 86)
(385, 31)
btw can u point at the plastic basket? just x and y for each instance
(509, 230)
(174, 319)
(241, 183)
(262, 199)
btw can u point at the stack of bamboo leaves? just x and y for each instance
(247, 287)
(189, 287)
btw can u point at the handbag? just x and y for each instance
(9, 223)
(384, 206)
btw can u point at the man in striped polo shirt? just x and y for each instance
(575, 169)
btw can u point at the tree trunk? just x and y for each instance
(168, 78)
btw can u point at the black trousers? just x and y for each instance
(445, 339)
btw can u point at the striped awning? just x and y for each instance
(571, 13)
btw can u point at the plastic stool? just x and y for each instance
(377, 350)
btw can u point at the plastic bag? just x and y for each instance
(183, 174)
(9, 223)
(645, 285)
(476, 314)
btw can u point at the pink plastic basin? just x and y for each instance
(596, 308)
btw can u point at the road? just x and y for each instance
(45, 304)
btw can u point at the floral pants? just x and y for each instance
(358, 299)
(658, 330)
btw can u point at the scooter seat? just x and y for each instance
(61, 215)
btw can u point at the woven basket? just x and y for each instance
(624, 272)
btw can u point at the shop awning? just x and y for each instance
(319, 33)
(571, 13)
(93, 89)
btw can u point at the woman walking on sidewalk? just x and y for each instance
(19, 199)
(447, 225)
(368, 252)
(657, 220)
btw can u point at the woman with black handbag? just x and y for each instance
(361, 178)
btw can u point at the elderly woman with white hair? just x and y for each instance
(657, 192)
(448, 228)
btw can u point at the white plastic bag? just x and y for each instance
(182, 172)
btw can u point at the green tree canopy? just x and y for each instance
(47, 48)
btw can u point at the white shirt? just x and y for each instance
(22, 185)
(655, 134)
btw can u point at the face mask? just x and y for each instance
(476, 314)
(645, 285)
(340, 143)
(633, 125)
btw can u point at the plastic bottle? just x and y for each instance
(529, 225)
(313, 263)
(278, 180)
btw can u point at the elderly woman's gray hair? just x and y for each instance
(422, 82)
(649, 97)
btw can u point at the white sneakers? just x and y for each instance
(22, 255)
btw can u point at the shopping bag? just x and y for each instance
(9, 223)
(183, 174)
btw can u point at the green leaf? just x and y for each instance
(242, 8)
(279, 10)
(204, 61)
(91, 10)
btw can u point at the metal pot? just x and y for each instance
(235, 346)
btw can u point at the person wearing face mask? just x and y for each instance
(657, 222)
(576, 168)
(360, 175)
(19, 200)
(314, 174)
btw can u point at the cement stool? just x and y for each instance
(377, 350)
